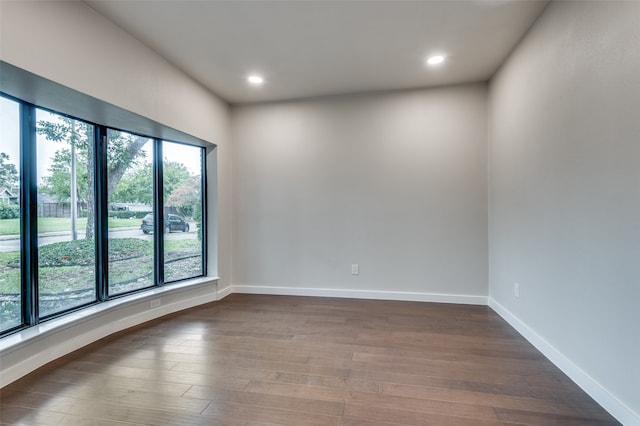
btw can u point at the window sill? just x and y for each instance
(29, 335)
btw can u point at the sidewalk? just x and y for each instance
(63, 233)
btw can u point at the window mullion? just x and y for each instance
(203, 209)
(29, 215)
(101, 209)
(158, 202)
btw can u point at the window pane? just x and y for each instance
(182, 181)
(130, 185)
(10, 290)
(66, 215)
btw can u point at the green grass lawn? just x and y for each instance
(60, 277)
(57, 224)
(182, 245)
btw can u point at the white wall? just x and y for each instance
(61, 41)
(564, 138)
(397, 182)
(394, 182)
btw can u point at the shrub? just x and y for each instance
(82, 252)
(9, 211)
(67, 253)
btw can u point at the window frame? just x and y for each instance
(160, 212)
(34, 165)
(28, 215)
(24, 292)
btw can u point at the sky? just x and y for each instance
(10, 137)
(9, 130)
(10, 143)
(185, 154)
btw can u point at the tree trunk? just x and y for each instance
(115, 171)
(74, 184)
(91, 213)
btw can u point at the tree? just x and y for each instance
(9, 177)
(57, 182)
(123, 151)
(174, 175)
(186, 197)
(136, 186)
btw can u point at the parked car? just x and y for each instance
(172, 222)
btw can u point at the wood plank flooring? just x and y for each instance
(267, 360)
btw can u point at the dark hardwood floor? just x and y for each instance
(265, 360)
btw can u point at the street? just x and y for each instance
(12, 243)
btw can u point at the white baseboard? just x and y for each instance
(614, 406)
(36, 346)
(356, 294)
(44, 343)
(224, 292)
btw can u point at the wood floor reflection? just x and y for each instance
(258, 360)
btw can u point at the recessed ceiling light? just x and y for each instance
(436, 59)
(255, 80)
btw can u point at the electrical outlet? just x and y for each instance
(516, 290)
(355, 269)
(154, 303)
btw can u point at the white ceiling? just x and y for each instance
(323, 47)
